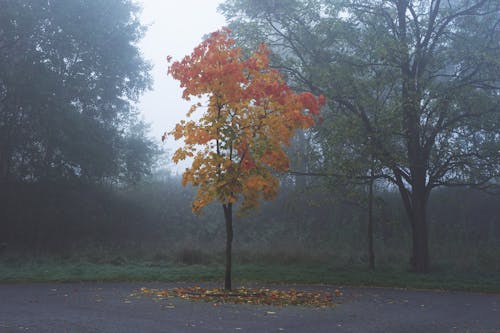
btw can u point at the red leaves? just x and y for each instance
(250, 116)
(247, 164)
(310, 102)
(321, 100)
(262, 296)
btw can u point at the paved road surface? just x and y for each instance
(108, 308)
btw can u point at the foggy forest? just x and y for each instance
(397, 174)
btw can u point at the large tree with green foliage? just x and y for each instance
(70, 72)
(414, 84)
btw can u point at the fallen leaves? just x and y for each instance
(262, 296)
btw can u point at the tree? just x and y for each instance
(70, 73)
(237, 143)
(416, 80)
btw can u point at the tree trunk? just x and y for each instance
(3, 163)
(371, 253)
(420, 249)
(228, 215)
(415, 203)
(300, 160)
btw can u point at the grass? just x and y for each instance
(67, 271)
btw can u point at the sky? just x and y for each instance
(176, 27)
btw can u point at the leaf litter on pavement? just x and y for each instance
(261, 296)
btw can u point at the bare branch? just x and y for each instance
(443, 24)
(336, 175)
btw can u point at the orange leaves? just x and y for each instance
(262, 296)
(251, 114)
(276, 159)
(255, 183)
(215, 60)
(321, 100)
(310, 102)
(247, 164)
(180, 155)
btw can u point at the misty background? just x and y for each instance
(85, 98)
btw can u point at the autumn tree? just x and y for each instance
(237, 142)
(413, 84)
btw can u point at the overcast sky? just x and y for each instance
(175, 28)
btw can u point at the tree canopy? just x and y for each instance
(412, 83)
(71, 72)
(250, 115)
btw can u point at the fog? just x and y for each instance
(174, 29)
(398, 169)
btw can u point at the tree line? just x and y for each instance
(71, 72)
(411, 86)
(412, 109)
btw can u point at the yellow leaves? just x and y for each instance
(181, 154)
(262, 296)
(192, 109)
(231, 199)
(255, 183)
(251, 114)
(178, 132)
(146, 290)
(259, 183)
(198, 136)
(276, 159)
(227, 164)
(198, 204)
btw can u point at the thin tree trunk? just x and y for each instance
(228, 215)
(4, 167)
(371, 253)
(301, 181)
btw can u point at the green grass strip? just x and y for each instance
(53, 271)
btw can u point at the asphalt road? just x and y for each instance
(109, 307)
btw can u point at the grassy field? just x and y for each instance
(67, 271)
